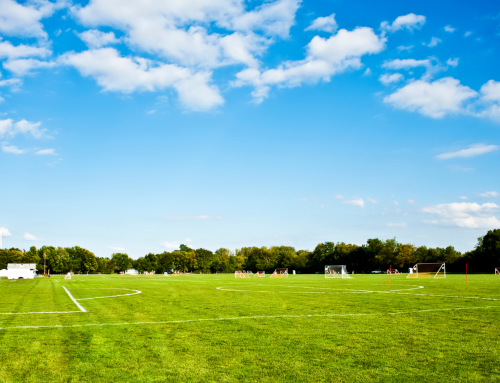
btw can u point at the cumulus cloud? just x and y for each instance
(12, 82)
(23, 20)
(388, 79)
(355, 202)
(29, 237)
(129, 74)
(434, 42)
(410, 22)
(452, 62)
(325, 24)
(325, 58)
(170, 245)
(22, 67)
(12, 149)
(411, 202)
(97, 39)
(464, 215)
(433, 99)
(489, 194)
(407, 48)
(5, 232)
(45, 152)
(449, 29)
(473, 150)
(431, 65)
(9, 51)
(394, 224)
(371, 200)
(115, 248)
(490, 98)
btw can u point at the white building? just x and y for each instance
(19, 271)
(132, 272)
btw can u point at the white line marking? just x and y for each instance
(242, 318)
(42, 312)
(74, 300)
(113, 296)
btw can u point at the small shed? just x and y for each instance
(19, 271)
(132, 272)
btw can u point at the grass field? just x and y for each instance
(195, 328)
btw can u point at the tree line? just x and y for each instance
(375, 254)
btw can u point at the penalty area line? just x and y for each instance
(74, 300)
(241, 318)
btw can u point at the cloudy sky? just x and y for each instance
(136, 126)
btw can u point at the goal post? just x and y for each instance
(336, 271)
(241, 274)
(260, 274)
(280, 273)
(428, 270)
(67, 276)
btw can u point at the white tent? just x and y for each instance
(19, 271)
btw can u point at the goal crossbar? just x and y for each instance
(336, 271)
(428, 270)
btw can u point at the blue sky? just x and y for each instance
(226, 123)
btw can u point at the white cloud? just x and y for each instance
(45, 152)
(170, 245)
(117, 248)
(410, 22)
(387, 79)
(7, 50)
(399, 224)
(29, 237)
(179, 28)
(433, 99)
(405, 48)
(5, 232)
(467, 34)
(24, 20)
(473, 150)
(339, 196)
(130, 74)
(97, 39)
(463, 198)
(188, 240)
(12, 82)
(395, 203)
(490, 98)
(449, 29)
(434, 42)
(431, 65)
(325, 58)
(411, 202)
(355, 202)
(489, 194)
(325, 24)
(7, 127)
(368, 72)
(21, 67)
(12, 149)
(371, 200)
(464, 215)
(452, 62)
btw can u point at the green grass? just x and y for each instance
(302, 329)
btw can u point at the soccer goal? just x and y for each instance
(176, 273)
(280, 273)
(260, 274)
(67, 276)
(336, 271)
(241, 274)
(428, 270)
(497, 271)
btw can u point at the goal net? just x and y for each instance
(67, 276)
(428, 270)
(497, 271)
(280, 273)
(336, 271)
(241, 274)
(260, 274)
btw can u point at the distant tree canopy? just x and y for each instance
(375, 254)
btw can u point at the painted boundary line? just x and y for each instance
(74, 300)
(113, 296)
(243, 318)
(42, 312)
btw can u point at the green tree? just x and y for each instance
(121, 261)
